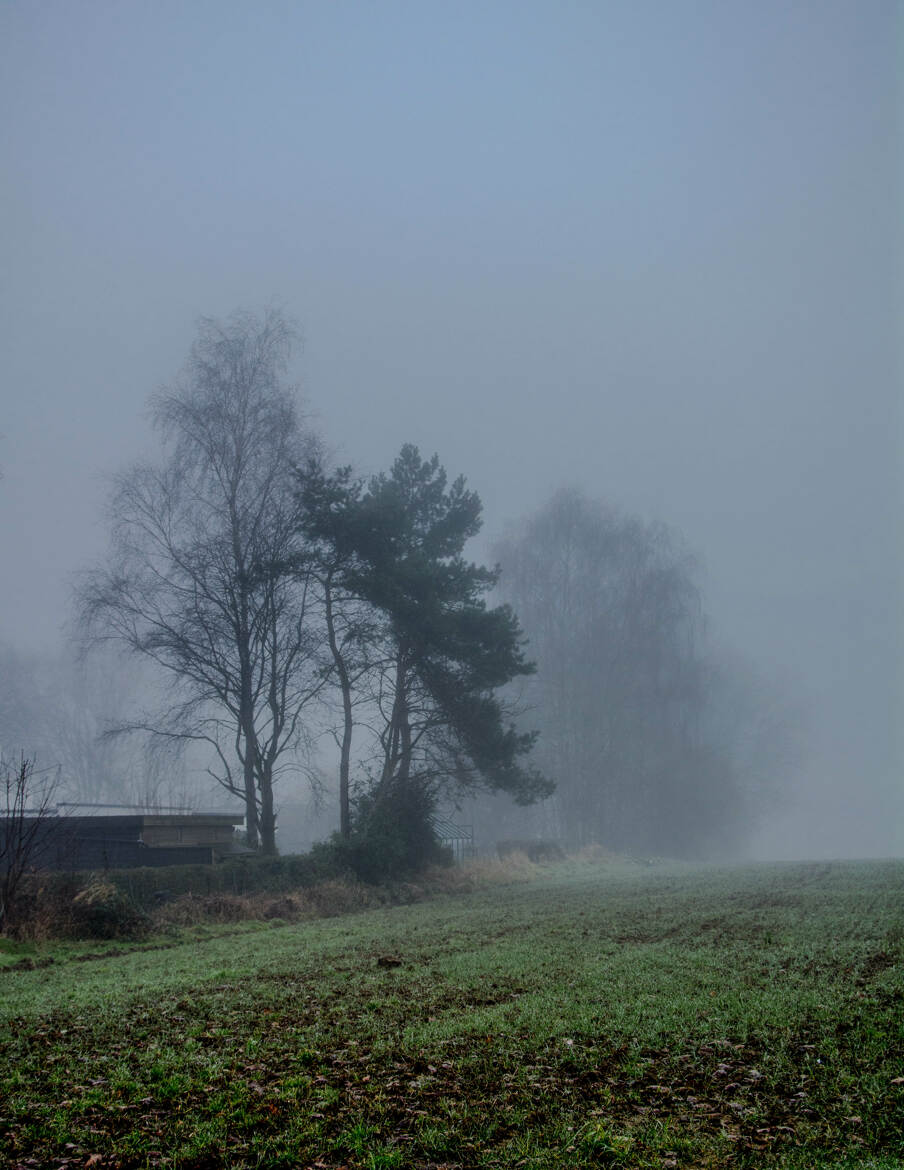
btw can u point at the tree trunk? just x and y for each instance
(345, 751)
(267, 815)
(252, 832)
(397, 756)
(405, 737)
(249, 738)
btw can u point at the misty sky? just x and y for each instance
(649, 249)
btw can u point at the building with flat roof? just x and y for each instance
(78, 836)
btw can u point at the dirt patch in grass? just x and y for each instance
(485, 1092)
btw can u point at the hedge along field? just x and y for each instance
(599, 1015)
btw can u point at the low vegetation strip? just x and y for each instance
(130, 904)
(599, 1015)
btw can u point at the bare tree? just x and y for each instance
(659, 742)
(613, 616)
(25, 805)
(60, 710)
(199, 580)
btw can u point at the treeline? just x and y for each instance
(284, 604)
(279, 595)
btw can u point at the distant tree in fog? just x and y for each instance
(197, 581)
(759, 722)
(60, 711)
(614, 619)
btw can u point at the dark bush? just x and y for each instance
(100, 910)
(392, 835)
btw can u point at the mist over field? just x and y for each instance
(646, 253)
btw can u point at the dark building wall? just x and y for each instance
(114, 843)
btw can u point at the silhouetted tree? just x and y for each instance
(25, 805)
(436, 655)
(198, 579)
(354, 630)
(614, 618)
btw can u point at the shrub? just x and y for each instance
(392, 834)
(100, 910)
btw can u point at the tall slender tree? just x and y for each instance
(198, 578)
(354, 630)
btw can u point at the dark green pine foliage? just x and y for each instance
(451, 652)
(444, 652)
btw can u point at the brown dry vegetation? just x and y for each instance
(101, 906)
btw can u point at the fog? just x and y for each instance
(650, 251)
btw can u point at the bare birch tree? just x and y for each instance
(613, 616)
(198, 580)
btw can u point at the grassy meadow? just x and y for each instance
(583, 1014)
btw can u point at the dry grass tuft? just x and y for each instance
(324, 900)
(335, 896)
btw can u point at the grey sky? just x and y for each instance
(648, 248)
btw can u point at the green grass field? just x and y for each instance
(595, 1015)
